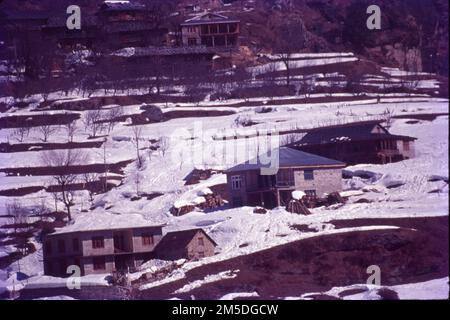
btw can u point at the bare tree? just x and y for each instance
(21, 133)
(137, 136)
(46, 130)
(93, 122)
(164, 144)
(113, 116)
(388, 116)
(71, 129)
(62, 160)
(18, 213)
(290, 138)
(137, 182)
(89, 179)
(291, 39)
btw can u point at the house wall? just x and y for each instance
(216, 39)
(406, 153)
(138, 245)
(88, 265)
(241, 193)
(195, 249)
(190, 32)
(88, 249)
(325, 181)
(172, 255)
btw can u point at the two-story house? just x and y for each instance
(100, 246)
(353, 143)
(249, 185)
(210, 30)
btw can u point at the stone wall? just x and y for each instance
(325, 181)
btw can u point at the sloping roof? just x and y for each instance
(100, 221)
(208, 17)
(179, 239)
(287, 157)
(348, 132)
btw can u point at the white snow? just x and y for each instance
(208, 279)
(437, 289)
(104, 220)
(298, 195)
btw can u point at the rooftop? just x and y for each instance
(97, 221)
(288, 157)
(207, 18)
(179, 239)
(370, 130)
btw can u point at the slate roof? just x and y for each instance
(179, 239)
(288, 157)
(349, 132)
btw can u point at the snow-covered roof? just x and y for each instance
(287, 157)
(348, 132)
(96, 221)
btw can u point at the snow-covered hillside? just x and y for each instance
(421, 183)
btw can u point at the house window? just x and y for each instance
(98, 242)
(308, 174)
(75, 245)
(99, 263)
(147, 239)
(311, 193)
(192, 41)
(236, 182)
(48, 247)
(406, 145)
(201, 254)
(201, 242)
(61, 246)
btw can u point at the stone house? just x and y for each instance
(249, 184)
(99, 251)
(102, 243)
(190, 244)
